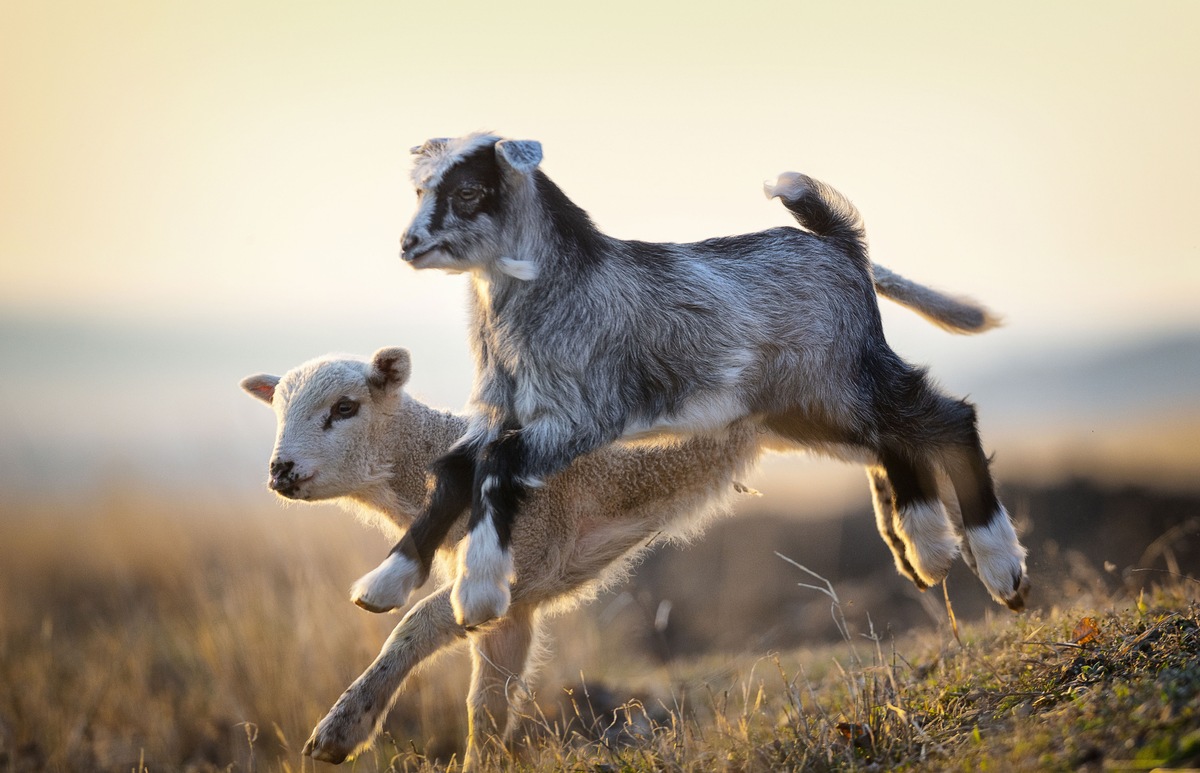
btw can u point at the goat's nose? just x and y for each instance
(408, 243)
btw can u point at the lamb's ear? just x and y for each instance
(390, 369)
(261, 386)
(519, 155)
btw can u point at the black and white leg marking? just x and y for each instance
(998, 557)
(921, 520)
(884, 500)
(485, 568)
(408, 565)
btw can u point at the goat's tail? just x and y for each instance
(819, 208)
(824, 211)
(953, 314)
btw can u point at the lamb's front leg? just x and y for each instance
(499, 655)
(356, 717)
(407, 566)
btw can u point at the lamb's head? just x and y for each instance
(471, 194)
(329, 412)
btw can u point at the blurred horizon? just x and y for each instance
(160, 408)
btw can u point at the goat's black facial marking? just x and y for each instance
(345, 408)
(468, 189)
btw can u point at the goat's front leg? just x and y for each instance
(408, 564)
(356, 717)
(510, 466)
(499, 655)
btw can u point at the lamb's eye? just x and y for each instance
(469, 194)
(343, 409)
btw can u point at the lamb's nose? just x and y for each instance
(279, 474)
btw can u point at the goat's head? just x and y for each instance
(329, 411)
(470, 191)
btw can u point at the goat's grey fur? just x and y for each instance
(348, 432)
(582, 339)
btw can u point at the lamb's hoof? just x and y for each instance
(338, 737)
(363, 603)
(477, 601)
(389, 585)
(324, 755)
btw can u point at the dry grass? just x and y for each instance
(139, 635)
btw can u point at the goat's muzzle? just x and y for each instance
(409, 247)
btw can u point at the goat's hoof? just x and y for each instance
(388, 585)
(932, 559)
(1000, 561)
(1006, 581)
(1016, 602)
(476, 602)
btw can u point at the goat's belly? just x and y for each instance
(699, 415)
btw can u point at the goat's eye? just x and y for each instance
(343, 409)
(468, 195)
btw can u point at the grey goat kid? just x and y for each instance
(581, 339)
(348, 431)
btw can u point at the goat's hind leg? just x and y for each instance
(408, 564)
(919, 517)
(884, 500)
(356, 717)
(990, 542)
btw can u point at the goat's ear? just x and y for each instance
(429, 146)
(261, 386)
(390, 369)
(519, 155)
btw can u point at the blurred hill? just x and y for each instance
(84, 403)
(731, 592)
(1126, 412)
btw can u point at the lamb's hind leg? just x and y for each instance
(356, 717)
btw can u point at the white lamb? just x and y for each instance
(347, 431)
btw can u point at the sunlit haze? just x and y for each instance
(192, 192)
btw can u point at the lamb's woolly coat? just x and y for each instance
(585, 526)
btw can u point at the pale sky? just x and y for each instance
(242, 167)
